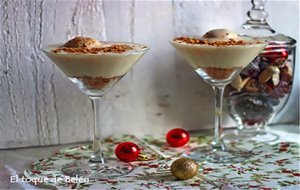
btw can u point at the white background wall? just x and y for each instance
(40, 106)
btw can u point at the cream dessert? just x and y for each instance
(218, 53)
(94, 65)
(217, 57)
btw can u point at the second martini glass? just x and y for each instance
(94, 71)
(217, 58)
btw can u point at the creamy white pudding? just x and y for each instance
(219, 48)
(95, 63)
(219, 51)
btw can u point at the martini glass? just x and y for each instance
(94, 75)
(218, 66)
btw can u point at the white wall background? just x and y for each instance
(40, 106)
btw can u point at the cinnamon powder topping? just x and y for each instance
(115, 48)
(230, 42)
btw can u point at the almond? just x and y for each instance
(267, 74)
(238, 83)
(276, 78)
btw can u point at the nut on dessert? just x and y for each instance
(217, 37)
(82, 42)
(221, 33)
(184, 168)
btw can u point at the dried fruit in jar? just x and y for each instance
(251, 86)
(268, 73)
(238, 83)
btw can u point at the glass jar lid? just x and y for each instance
(257, 26)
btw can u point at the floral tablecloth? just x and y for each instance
(272, 166)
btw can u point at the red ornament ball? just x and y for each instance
(127, 151)
(274, 55)
(177, 137)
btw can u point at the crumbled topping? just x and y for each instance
(220, 73)
(98, 83)
(115, 48)
(229, 42)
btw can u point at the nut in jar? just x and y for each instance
(267, 81)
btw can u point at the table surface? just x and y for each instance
(15, 161)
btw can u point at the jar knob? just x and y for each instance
(258, 13)
(257, 17)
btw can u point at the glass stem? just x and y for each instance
(97, 155)
(217, 141)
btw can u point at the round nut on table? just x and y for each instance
(184, 168)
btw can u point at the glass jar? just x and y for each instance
(263, 87)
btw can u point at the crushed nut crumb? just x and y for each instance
(116, 48)
(98, 83)
(219, 73)
(230, 42)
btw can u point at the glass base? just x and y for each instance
(259, 136)
(210, 154)
(93, 170)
